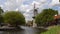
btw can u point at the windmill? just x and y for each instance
(35, 12)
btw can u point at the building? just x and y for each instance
(29, 23)
(57, 19)
(35, 12)
(55, 22)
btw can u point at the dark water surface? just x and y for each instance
(26, 30)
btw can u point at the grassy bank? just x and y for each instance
(52, 30)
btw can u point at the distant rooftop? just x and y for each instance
(57, 17)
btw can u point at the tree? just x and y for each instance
(1, 10)
(1, 18)
(45, 16)
(14, 18)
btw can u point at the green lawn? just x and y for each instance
(52, 30)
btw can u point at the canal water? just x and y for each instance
(26, 30)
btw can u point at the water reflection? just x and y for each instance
(26, 30)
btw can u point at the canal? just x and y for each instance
(26, 30)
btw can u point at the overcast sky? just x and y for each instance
(26, 6)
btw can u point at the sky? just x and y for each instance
(26, 6)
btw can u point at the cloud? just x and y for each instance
(54, 3)
(41, 1)
(28, 16)
(1, 6)
(26, 6)
(12, 4)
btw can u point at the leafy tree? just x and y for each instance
(45, 16)
(1, 18)
(1, 10)
(14, 18)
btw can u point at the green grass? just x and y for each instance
(52, 30)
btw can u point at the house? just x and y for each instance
(56, 21)
(29, 23)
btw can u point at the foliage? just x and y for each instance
(53, 30)
(1, 10)
(45, 16)
(14, 18)
(1, 18)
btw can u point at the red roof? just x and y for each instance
(57, 17)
